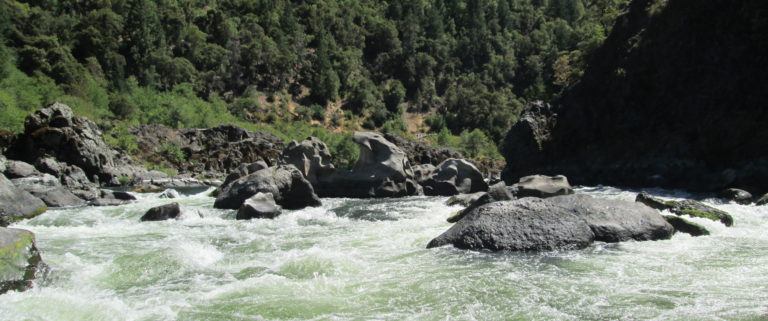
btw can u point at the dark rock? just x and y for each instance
(311, 157)
(243, 170)
(737, 195)
(261, 205)
(496, 193)
(286, 183)
(107, 202)
(542, 186)
(49, 190)
(420, 153)
(682, 225)
(523, 145)
(382, 170)
(617, 221)
(120, 195)
(527, 224)
(20, 261)
(698, 123)
(69, 175)
(455, 176)
(423, 172)
(162, 213)
(17, 204)
(762, 200)
(686, 207)
(19, 169)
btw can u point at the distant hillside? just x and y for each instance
(198, 63)
(675, 97)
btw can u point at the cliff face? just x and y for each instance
(676, 97)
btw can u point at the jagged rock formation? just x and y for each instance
(673, 98)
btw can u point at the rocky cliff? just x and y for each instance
(675, 97)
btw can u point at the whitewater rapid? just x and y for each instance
(366, 260)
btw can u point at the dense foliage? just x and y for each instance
(471, 64)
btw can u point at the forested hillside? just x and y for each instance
(345, 64)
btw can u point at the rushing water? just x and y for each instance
(366, 259)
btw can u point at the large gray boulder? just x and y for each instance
(17, 204)
(528, 224)
(261, 205)
(19, 169)
(286, 183)
(20, 261)
(242, 171)
(682, 225)
(454, 176)
(496, 193)
(564, 222)
(383, 170)
(542, 186)
(70, 176)
(617, 221)
(49, 190)
(311, 156)
(163, 213)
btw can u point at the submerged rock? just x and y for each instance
(261, 205)
(762, 200)
(20, 261)
(686, 207)
(542, 186)
(17, 204)
(286, 183)
(163, 212)
(170, 193)
(737, 195)
(685, 226)
(454, 176)
(528, 224)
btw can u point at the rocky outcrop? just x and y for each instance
(528, 224)
(17, 204)
(562, 222)
(673, 99)
(212, 152)
(682, 225)
(19, 169)
(20, 261)
(49, 190)
(261, 205)
(542, 186)
(55, 132)
(383, 170)
(420, 153)
(454, 176)
(286, 183)
(162, 213)
(686, 207)
(311, 156)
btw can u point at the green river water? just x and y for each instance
(366, 260)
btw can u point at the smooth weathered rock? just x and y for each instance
(686, 207)
(170, 193)
(261, 205)
(20, 261)
(737, 195)
(496, 193)
(243, 170)
(17, 204)
(69, 175)
(423, 172)
(49, 190)
(107, 202)
(542, 186)
(615, 220)
(311, 156)
(382, 170)
(286, 183)
(163, 212)
(19, 169)
(527, 224)
(682, 225)
(454, 176)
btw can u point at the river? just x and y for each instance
(366, 260)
